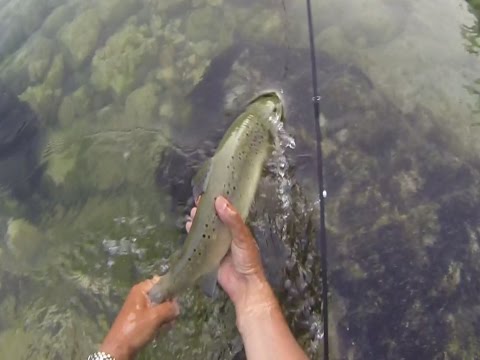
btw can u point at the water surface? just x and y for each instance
(132, 95)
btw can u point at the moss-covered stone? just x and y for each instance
(204, 48)
(167, 5)
(20, 22)
(80, 36)
(141, 105)
(61, 162)
(74, 106)
(156, 25)
(107, 161)
(113, 12)
(263, 25)
(54, 77)
(40, 58)
(31, 63)
(57, 18)
(215, 2)
(372, 28)
(208, 23)
(16, 342)
(116, 65)
(24, 241)
(44, 101)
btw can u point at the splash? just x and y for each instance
(278, 163)
(294, 225)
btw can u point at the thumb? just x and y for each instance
(233, 220)
(164, 313)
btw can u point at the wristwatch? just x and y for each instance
(100, 355)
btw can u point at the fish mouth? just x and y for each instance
(273, 101)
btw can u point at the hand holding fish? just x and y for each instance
(241, 273)
(138, 322)
(260, 320)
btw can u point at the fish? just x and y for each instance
(234, 171)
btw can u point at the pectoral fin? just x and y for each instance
(208, 283)
(200, 180)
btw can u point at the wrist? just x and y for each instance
(257, 302)
(116, 349)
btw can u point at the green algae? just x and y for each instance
(55, 75)
(204, 22)
(101, 176)
(80, 37)
(106, 161)
(23, 242)
(18, 343)
(57, 18)
(44, 101)
(61, 163)
(141, 105)
(113, 12)
(31, 63)
(115, 66)
(74, 106)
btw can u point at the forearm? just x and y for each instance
(265, 332)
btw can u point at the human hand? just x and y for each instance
(241, 273)
(137, 322)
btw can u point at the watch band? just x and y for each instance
(100, 355)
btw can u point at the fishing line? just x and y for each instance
(286, 41)
(322, 237)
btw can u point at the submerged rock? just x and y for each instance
(20, 19)
(55, 75)
(167, 5)
(80, 36)
(106, 162)
(30, 64)
(113, 12)
(203, 23)
(263, 25)
(402, 209)
(44, 101)
(23, 241)
(117, 65)
(40, 58)
(74, 106)
(57, 18)
(141, 105)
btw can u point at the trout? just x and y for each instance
(234, 171)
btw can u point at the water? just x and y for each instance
(132, 95)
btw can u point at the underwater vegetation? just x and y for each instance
(117, 103)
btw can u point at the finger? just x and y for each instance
(145, 286)
(197, 200)
(231, 218)
(164, 313)
(188, 226)
(193, 212)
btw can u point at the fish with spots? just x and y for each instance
(234, 171)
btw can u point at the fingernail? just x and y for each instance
(176, 308)
(223, 203)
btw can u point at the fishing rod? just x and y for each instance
(322, 237)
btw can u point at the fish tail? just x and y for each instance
(160, 291)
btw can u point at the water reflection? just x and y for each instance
(134, 95)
